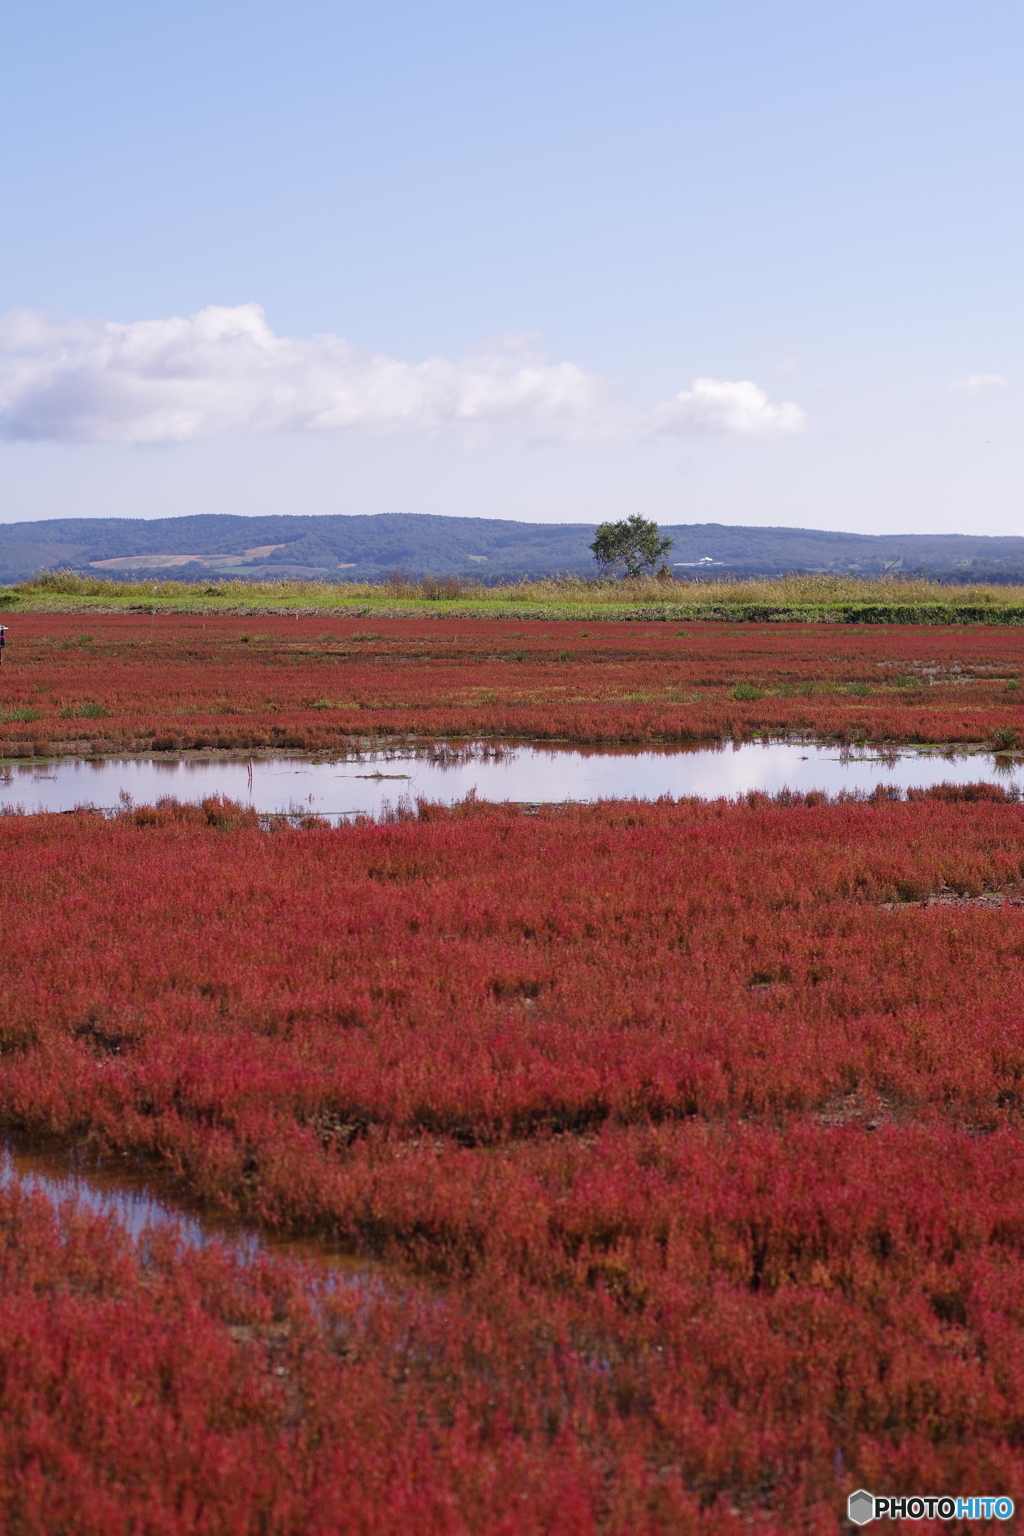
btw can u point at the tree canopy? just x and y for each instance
(634, 543)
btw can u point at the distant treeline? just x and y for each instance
(489, 550)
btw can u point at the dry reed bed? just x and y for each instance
(552, 596)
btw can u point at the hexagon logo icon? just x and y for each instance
(860, 1506)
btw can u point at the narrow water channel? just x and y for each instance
(142, 1200)
(362, 784)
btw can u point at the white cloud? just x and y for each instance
(721, 406)
(975, 382)
(224, 371)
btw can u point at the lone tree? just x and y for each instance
(634, 543)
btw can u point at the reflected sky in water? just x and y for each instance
(143, 1200)
(526, 774)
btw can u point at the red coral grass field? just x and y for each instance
(688, 1138)
(103, 683)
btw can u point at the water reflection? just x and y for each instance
(361, 783)
(143, 1199)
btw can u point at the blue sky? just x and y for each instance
(747, 263)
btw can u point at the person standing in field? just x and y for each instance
(3, 642)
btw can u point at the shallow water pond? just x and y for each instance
(362, 784)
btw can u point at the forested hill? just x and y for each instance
(367, 548)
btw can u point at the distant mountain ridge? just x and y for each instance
(369, 547)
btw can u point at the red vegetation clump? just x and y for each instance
(145, 1387)
(694, 1130)
(313, 684)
